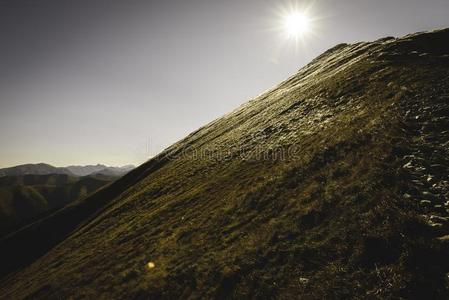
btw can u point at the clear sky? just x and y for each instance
(115, 82)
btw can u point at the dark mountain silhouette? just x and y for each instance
(35, 169)
(28, 197)
(46, 169)
(331, 185)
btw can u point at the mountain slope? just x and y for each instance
(330, 185)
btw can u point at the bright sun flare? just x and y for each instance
(296, 24)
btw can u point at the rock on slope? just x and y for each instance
(333, 184)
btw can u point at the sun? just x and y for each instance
(296, 24)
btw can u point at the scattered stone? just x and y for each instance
(444, 238)
(420, 169)
(408, 165)
(435, 225)
(438, 219)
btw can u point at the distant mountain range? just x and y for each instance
(34, 169)
(46, 169)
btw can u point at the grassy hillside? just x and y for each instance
(333, 184)
(29, 197)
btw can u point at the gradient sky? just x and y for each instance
(115, 82)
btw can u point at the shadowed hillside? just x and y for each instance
(333, 184)
(29, 197)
